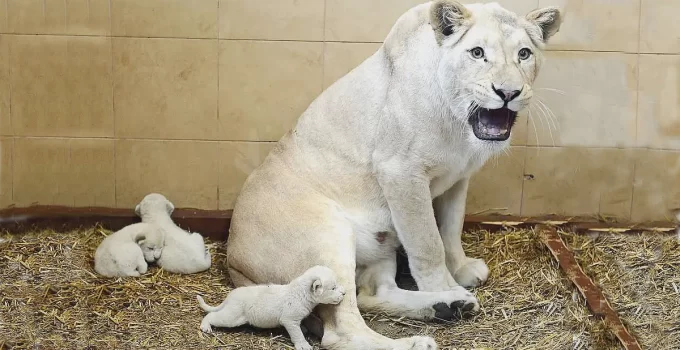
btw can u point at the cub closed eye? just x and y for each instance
(477, 53)
(524, 54)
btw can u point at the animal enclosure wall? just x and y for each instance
(104, 101)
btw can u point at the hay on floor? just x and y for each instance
(640, 276)
(50, 296)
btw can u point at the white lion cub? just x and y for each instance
(270, 306)
(127, 251)
(183, 252)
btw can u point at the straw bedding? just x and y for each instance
(640, 276)
(51, 297)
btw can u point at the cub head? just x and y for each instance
(489, 60)
(152, 245)
(324, 286)
(154, 203)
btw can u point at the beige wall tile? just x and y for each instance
(659, 26)
(77, 17)
(164, 18)
(237, 161)
(165, 88)
(6, 164)
(93, 167)
(3, 16)
(578, 181)
(272, 19)
(265, 87)
(72, 172)
(5, 118)
(183, 171)
(600, 25)
(659, 102)
(520, 132)
(363, 21)
(371, 21)
(592, 98)
(657, 185)
(497, 188)
(61, 86)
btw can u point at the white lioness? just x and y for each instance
(270, 306)
(183, 252)
(381, 153)
(127, 251)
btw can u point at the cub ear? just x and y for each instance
(317, 287)
(548, 20)
(140, 238)
(447, 17)
(138, 210)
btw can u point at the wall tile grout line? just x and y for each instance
(310, 41)
(526, 150)
(11, 121)
(637, 110)
(270, 141)
(219, 128)
(323, 50)
(113, 106)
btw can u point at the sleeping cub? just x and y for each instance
(270, 306)
(183, 252)
(127, 251)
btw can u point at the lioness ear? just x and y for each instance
(169, 207)
(446, 17)
(547, 19)
(317, 288)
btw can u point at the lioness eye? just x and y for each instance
(477, 53)
(524, 54)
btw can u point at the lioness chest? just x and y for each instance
(372, 223)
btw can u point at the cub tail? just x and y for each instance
(207, 307)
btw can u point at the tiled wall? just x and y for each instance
(103, 101)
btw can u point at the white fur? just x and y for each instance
(384, 149)
(183, 252)
(121, 253)
(272, 306)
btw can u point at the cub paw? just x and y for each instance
(206, 328)
(472, 274)
(423, 343)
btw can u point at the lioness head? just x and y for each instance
(490, 58)
(324, 286)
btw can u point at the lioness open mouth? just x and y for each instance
(492, 124)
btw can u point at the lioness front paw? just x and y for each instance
(458, 304)
(303, 346)
(472, 274)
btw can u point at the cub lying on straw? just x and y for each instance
(127, 251)
(271, 306)
(183, 252)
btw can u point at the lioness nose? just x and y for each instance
(506, 95)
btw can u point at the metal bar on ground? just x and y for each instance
(597, 302)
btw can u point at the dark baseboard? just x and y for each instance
(215, 223)
(210, 223)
